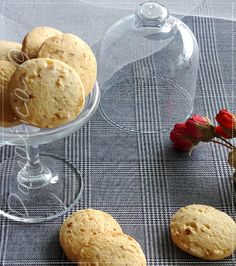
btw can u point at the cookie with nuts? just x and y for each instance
(112, 249)
(73, 51)
(10, 51)
(204, 232)
(46, 93)
(77, 230)
(35, 38)
(7, 117)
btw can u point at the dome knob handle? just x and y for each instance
(151, 14)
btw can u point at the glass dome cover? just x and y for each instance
(148, 71)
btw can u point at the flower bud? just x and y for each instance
(222, 133)
(181, 139)
(200, 128)
(227, 121)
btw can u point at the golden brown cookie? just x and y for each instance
(35, 38)
(112, 249)
(76, 53)
(78, 228)
(46, 93)
(204, 232)
(7, 117)
(10, 51)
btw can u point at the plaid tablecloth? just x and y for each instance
(140, 179)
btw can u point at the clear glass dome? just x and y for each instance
(148, 71)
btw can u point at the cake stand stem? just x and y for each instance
(34, 175)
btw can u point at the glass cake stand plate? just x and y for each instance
(39, 187)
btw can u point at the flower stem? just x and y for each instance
(227, 146)
(229, 143)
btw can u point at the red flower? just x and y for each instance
(220, 132)
(227, 123)
(179, 135)
(226, 119)
(200, 128)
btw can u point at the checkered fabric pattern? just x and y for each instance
(139, 178)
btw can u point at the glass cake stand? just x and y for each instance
(39, 187)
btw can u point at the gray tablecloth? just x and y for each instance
(140, 179)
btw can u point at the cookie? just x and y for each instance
(46, 93)
(114, 249)
(76, 53)
(78, 228)
(35, 38)
(204, 232)
(7, 117)
(10, 51)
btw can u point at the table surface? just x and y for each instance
(140, 179)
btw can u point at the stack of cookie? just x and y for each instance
(93, 237)
(49, 88)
